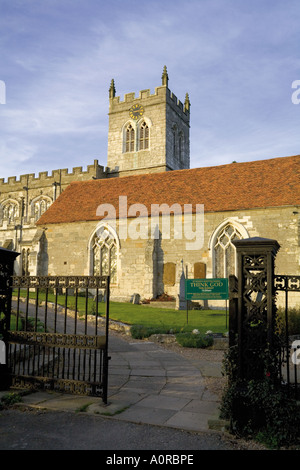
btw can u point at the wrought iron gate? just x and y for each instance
(56, 337)
(290, 343)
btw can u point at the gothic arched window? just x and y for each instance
(105, 254)
(10, 212)
(144, 136)
(39, 206)
(224, 251)
(129, 138)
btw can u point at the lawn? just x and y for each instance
(165, 318)
(203, 320)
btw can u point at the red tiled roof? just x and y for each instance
(263, 183)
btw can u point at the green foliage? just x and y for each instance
(259, 408)
(185, 339)
(9, 399)
(191, 340)
(142, 331)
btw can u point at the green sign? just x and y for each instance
(206, 289)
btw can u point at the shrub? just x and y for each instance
(9, 399)
(191, 340)
(259, 408)
(185, 339)
(141, 331)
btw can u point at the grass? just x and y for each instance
(163, 318)
(169, 319)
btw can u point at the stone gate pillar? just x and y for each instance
(253, 313)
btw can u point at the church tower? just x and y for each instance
(148, 133)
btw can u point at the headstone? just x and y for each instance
(136, 299)
(100, 297)
(180, 301)
(2, 353)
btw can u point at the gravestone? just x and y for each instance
(181, 302)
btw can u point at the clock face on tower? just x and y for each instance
(136, 111)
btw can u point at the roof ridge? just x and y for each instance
(185, 170)
(235, 186)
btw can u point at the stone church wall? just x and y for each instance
(151, 267)
(18, 230)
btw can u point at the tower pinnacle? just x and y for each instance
(112, 89)
(187, 103)
(165, 77)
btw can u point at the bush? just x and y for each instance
(191, 340)
(187, 340)
(9, 399)
(141, 331)
(259, 409)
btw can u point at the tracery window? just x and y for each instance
(10, 212)
(40, 206)
(105, 253)
(144, 136)
(130, 137)
(225, 252)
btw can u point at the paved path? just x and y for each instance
(147, 384)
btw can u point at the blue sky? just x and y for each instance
(237, 60)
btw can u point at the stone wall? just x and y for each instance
(23, 200)
(151, 267)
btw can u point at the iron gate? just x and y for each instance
(290, 343)
(57, 335)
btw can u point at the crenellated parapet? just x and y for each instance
(44, 179)
(23, 200)
(161, 94)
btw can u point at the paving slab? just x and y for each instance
(147, 384)
(143, 414)
(188, 421)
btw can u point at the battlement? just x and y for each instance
(143, 94)
(62, 176)
(161, 94)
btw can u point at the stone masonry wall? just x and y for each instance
(142, 262)
(18, 231)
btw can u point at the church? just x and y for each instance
(147, 217)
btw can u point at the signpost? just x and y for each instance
(206, 289)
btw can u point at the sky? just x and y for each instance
(238, 61)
